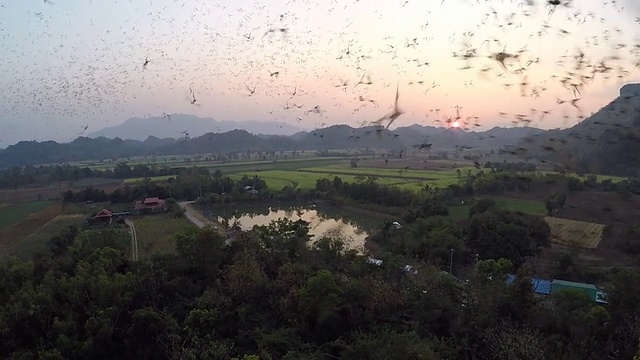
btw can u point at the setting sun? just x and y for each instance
(455, 124)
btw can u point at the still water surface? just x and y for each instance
(324, 220)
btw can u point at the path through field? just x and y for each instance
(134, 239)
(200, 221)
(194, 216)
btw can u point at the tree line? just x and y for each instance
(21, 176)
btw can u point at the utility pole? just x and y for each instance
(451, 263)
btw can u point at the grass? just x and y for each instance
(384, 172)
(12, 235)
(306, 177)
(156, 233)
(37, 241)
(180, 161)
(599, 178)
(273, 182)
(282, 165)
(575, 233)
(413, 180)
(531, 207)
(14, 213)
(277, 179)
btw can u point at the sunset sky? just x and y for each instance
(67, 64)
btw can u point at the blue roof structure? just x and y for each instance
(540, 286)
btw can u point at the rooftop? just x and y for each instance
(574, 284)
(103, 213)
(151, 200)
(539, 286)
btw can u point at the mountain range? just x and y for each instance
(176, 125)
(607, 142)
(333, 137)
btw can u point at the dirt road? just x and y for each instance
(195, 217)
(134, 239)
(200, 221)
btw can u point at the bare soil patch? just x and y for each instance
(575, 233)
(47, 193)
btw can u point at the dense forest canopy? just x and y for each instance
(272, 294)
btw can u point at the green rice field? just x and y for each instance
(531, 207)
(13, 213)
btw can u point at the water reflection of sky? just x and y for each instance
(319, 226)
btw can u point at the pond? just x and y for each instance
(349, 224)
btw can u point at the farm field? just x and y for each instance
(416, 162)
(277, 179)
(305, 177)
(600, 178)
(530, 207)
(251, 166)
(188, 161)
(14, 213)
(132, 181)
(451, 165)
(283, 165)
(575, 233)
(155, 233)
(12, 235)
(394, 172)
(49, 192)
(37, 241)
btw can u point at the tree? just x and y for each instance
(492, 269)
(482, 205)
(122, 171)
(431, 239)
(337, 183)
(509, 342)
(320, 299)
(555, 202)
(386, 343)
(323, 185)
(497, 234)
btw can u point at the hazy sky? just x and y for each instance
(71, 64)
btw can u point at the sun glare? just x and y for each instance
(455, 124)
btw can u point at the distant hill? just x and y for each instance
(337, 137)
(607, 142)
(175, 125)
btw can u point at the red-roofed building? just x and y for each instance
(101, 216)
(152, 204)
